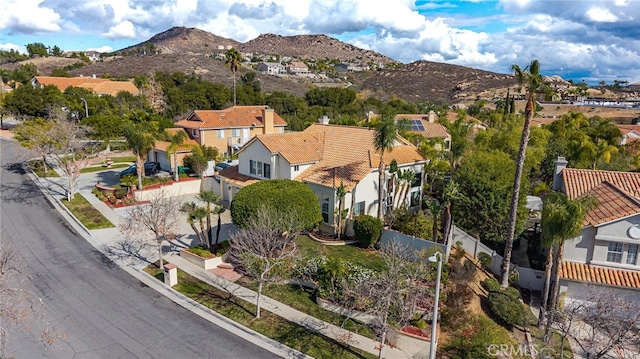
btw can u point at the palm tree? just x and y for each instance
(383, 141)
(140, 142)
(189, 208)
(341, 213)
(233, 59)
(176, 141)
(450, 193)
(219, 210)
(209, 197)
(530, 78)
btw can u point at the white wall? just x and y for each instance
(580, 249)
(257, 152)
(175, 189)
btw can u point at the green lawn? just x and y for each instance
(367, 258)
(102, 168)
(37, 167)
(123, 159)
(270, 325)
(86, 213)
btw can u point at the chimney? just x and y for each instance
(324, 120)
(267, 120)
(432, 116)
(561, 163)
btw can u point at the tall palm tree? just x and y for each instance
(208, 197)
(531, 79)
(189, 208)
(176, 141)
(341, 213)
(233, 59)
(140, 142)
(383, 141)
(219, 210)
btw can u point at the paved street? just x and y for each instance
(103, 311)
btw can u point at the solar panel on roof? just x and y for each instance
(416, 125)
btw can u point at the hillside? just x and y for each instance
(431, 81)
(180, 40)
(311, 47)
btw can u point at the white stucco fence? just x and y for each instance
(176, 189)
(415, 243)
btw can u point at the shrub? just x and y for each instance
(278, 196)
(485, 259)
(121, 193)
(417, 225)
(491, 285)
(509, 309)
(475, 337)
(367, 229)
(201, 251)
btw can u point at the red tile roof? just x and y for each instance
(231, 117)
(579, 181)
(612, 204)
(431, 129)
(600, 275)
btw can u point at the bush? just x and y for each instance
(368, 230)
(121, 193)
(417, 225)
(491, 285)
(201, 251)
(509, 309)
(475, 337)
(277, 196)
(485, 259)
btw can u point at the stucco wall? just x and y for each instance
(580, 249)
(175, 189)
(257, 152)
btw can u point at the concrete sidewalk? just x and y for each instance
(134, 257)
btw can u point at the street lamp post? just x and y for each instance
(436, 258)
(86, 108)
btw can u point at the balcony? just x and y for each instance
(237, 142)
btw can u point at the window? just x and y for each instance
(267, 170)
(296, 168)
(615, 252)
(324, 205)
(358, 208)
(260, 169)
(220, 133)
(236, 132)
(194, 132)
(415, 198)
(632, 254)
(417, 180)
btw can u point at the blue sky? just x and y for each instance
(591, 40)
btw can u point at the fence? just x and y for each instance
(409, 241)
(527, 277)
(187, 186)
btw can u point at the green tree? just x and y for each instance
(36, 134)
(140, 141)
(37, 48)
(531, 79)
(192, 218)
(233, 59)
(55, 51)
(562, 219)
(384, 140)
(276, 195)
(341, 212)
(459, 131)
(209, 197)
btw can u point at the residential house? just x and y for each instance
(325, 156)
(629, 133)
(271, 68)
(98, 85)
(427, 126)
(168, 157)
(229, 129)
(297, 68)
(606, 252)
(350, 67)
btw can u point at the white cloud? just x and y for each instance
(9, 46)
(28, 16)
(124, 29)
(599, 14)
(104, 48)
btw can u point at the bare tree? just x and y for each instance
(159, 218)
(265, 247)
(605, 324)
(20, 308)
(70, 151)
(393, 297)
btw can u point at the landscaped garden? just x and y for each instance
(37, 167)
(86, 213)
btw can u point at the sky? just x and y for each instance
(583, 40)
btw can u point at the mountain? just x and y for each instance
(430, 81)
(312, 47)
(183, 40)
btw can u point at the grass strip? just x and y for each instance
(366, 258)
(103, 168)
(86, 213)
(38, 168)
(275, 327)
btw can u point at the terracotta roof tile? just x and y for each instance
(600, 275)
(579, 181)
(232, 176)
(186, 146)
(612, 204)
(231, 117)
(295, 147)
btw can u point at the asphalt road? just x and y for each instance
(102, 311)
